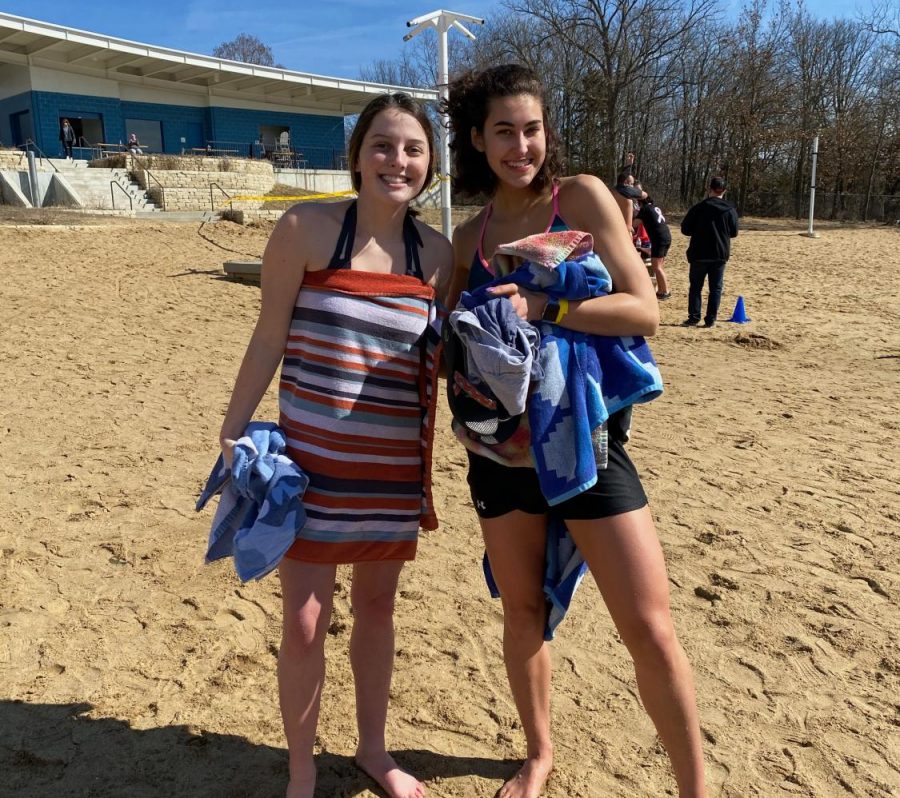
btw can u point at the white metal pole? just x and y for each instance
(812, 188)
(443, 21)
(443, 87)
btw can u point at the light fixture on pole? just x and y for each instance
(442, 21)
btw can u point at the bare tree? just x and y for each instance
(883, 19)
(808, 63)
(693, 94)
(618, 38)
(416, 65)
(758, 98)
(247, 48)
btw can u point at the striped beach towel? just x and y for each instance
(357, 398)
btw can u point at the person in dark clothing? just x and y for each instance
(625, 192)
(67, 137)
(660, 240)
(711, 224)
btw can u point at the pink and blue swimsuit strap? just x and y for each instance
(481, 273)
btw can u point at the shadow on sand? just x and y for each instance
(58, 750)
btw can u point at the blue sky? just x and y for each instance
(328, 37)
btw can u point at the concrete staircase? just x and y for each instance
(94, 188)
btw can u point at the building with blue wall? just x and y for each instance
(172, 100)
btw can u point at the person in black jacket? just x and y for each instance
(711, 224)
(67, 136)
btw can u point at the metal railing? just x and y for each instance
(310, 158)
(31, 145)
(281, 157)
(112, 194)
(212, 202)
(148, 176)
(223, 149)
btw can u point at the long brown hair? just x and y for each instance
(402, 102)
(467, 107)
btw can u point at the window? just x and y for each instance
(148, 132)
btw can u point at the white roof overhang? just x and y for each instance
(28, 42)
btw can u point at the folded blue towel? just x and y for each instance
(261, 509)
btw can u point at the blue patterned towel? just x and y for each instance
(261, 509)
(586, 378)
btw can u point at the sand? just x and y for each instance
(128, 668)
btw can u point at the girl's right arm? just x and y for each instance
(283, 268)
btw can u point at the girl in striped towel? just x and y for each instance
(505, 148)
(349, 310)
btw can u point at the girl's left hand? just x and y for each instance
(527, 304)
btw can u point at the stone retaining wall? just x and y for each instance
(185, 163)
(194, 191)
(249, 216)
(14, 159)
(184, 183)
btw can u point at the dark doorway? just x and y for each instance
(21, 127)
(88, 129)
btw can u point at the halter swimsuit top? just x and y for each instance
(481, 272)
(412, 242)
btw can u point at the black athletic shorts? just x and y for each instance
(497, 489)
(660, 249)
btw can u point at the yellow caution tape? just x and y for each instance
(327, 195)
(270, 198)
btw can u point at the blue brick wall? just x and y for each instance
(9, 106)
(319, 138)
(177, 121)
(50, 106)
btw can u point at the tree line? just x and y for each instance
(694, 93)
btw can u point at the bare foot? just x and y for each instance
(397, 783)
(303, 780)
(529, 781)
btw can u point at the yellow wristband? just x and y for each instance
(563, 310)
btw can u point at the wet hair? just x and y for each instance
(622, 178)
(717, 183)
(467, 107)
(401, 102)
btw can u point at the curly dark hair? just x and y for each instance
(402, 102)
(467, 107)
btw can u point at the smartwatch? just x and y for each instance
(551, 310)
(555, 309)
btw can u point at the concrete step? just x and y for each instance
(94, 187)
(68, 166)
(245, 270)
(178, 216)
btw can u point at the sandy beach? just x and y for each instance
(129, 668)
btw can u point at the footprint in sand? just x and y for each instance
(756, 341)
(743, 675)
(244, 620)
